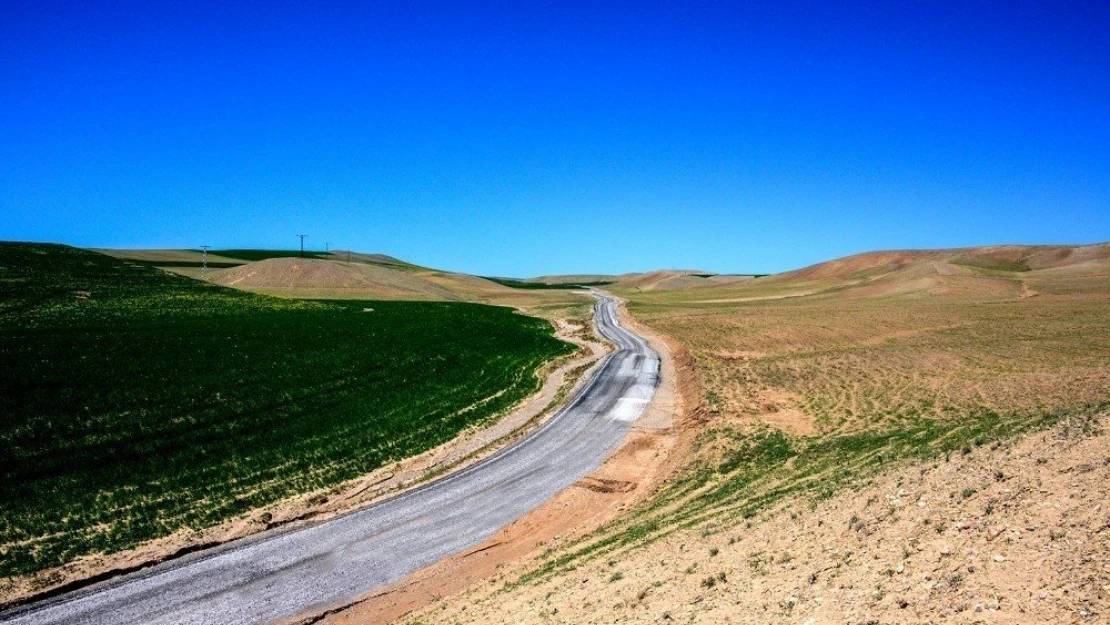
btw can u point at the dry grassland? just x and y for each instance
(826, 393)
(833, 364)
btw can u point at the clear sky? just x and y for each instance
(523, 138)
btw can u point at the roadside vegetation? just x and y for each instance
(137, 403)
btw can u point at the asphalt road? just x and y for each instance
(282, 574)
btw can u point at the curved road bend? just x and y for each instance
(281, 574)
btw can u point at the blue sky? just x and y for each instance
(524, 138)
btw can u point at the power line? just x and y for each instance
(302, 236)
(204, 260)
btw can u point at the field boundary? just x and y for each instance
(560, 379)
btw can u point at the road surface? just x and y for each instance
(283, 574)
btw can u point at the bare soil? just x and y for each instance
(1018, 533)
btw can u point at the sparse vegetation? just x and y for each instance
(908, 419)
(807, 395)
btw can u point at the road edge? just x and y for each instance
(651, 452)
(559, 382)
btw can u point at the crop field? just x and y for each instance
(806, 395)
(136, 403)
(523, 284)
(256, 255)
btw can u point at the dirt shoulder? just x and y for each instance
(561, 378)
(645, 460)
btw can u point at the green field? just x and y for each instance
(257, 255)
(523, 284)
(180, 264)
(136, 402)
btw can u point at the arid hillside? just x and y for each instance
(371, 278)
(314, 277)
(903, 437)
(675, 281)
(662, 280)
(974, 271)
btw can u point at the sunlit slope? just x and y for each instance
(813, 383)
(308, 277)
(984, 272)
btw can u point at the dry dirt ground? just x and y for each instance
(899, 438)
(1018, 533)
(908, 337)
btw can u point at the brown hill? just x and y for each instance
(372, 259)
(305, 276)
(995, 271)
(574, 278)
(999, 258)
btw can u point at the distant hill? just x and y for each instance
(343, 274)
(1008, 258)
(252, 255)
(372, 259)
(675, 280)
(314, 276)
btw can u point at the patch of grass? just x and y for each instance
(257, 255)
(770, 467)
(185, 264)
(136, 403)
(990, 264)
(523, 284)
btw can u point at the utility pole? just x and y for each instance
(326, 245)
(302, 236)
(204, 261)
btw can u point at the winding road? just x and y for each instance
(282, 574)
